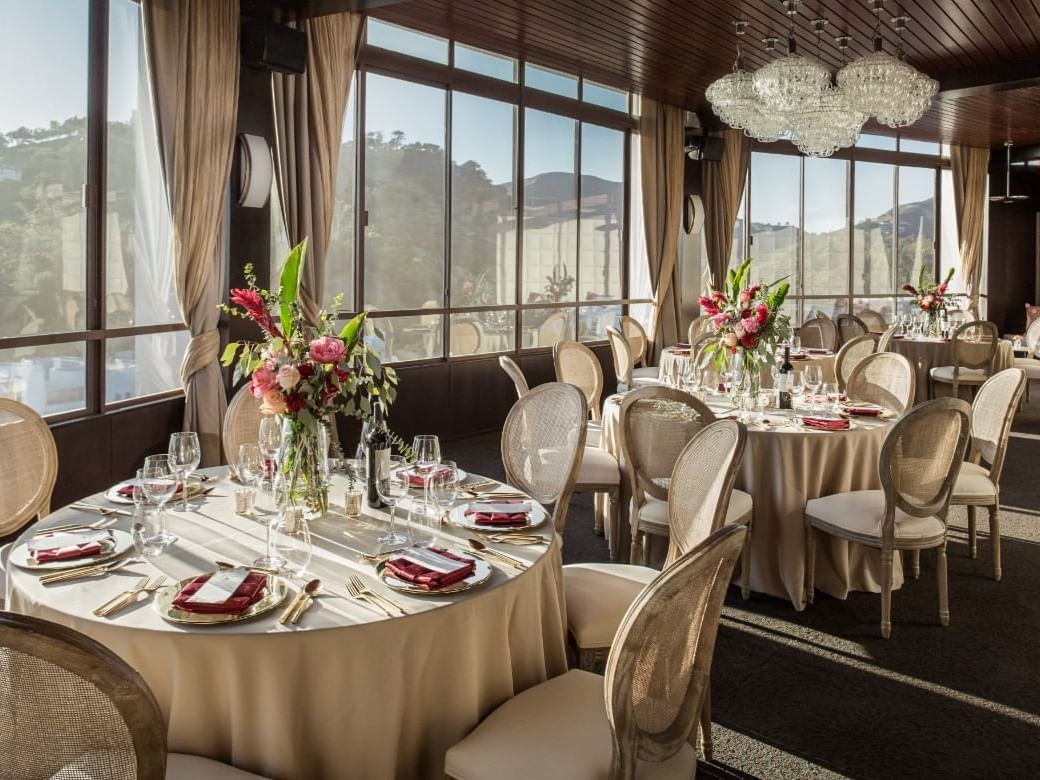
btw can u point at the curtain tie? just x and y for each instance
(203, 350)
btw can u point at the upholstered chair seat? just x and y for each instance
(858, 516)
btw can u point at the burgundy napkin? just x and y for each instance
(127, 491)
(801, 356)
(502, 519)
(417, 480)
(825, 425)
(246, 595)
(900, 336)
(69, 553)
(863, 411)
(681, 345)
(426, 579)
(817, 351)
(681, 352)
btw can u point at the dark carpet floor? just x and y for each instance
(819, 694)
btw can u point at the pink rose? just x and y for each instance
(745, 297)
(738, 330)
(720, 319)
(288, 377)
(928, 300)
(273, 403)
(327, 349)
(264, 380)
(730, 340)
(750, 325)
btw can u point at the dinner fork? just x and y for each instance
(85, 571)
(104, 511)
(129, 597)
(357, 587)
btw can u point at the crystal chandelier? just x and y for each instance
(832, 123)
(733, 96)
(791, 81)
(761, 122)
(887, 87)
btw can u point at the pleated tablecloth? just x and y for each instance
(782, 469)
(348, 692)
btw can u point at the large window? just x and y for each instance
(489, 197)
(90, 317)
(849, 233)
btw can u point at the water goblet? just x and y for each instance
(444, 485)
(270, 441)
(833, 394)
(813, 379)
(796, 389)
(185, 456)
(796, 345)
(293, 545)
(159, 483)
(392, 486)
(427, 451)
(425, 522)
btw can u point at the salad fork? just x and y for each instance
(129, 597)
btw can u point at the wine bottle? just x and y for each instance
(784, 380)
(377, 454)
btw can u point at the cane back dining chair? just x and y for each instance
(978, 485)
(850, 355)
(974, 347)
(699, 326)
(874, 321)
(655, 424)
(849, 327)
(819, 332)
(1031, 363)
(241, 423)
(542, 442)
(919, 463)
(80, 711)
(465, 338)
(634, 332)
(628, 376)
(883, 378)
(515, 374)
(578, 365)
(638, 720)
(885, 342)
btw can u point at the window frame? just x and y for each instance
(95, 335)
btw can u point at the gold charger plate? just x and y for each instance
(480, 575)
(535, 518)
(120, 543)
(195, 489)
(274, 594)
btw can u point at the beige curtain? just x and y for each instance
(661, 175)
(970, 166)
(308, 119)
(193, 63)
(723, 185)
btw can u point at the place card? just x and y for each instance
(44, 541)
(504, 507)
(431, 560)
(220, 586)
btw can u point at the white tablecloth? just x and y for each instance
(783, 468)
(672, 361)
(346, 693)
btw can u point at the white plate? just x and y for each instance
(535, 518)
(481, 574)
(121, 543)
(112, 494)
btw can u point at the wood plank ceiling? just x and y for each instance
(672, 49)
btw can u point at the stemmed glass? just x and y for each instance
(833, 394)
(185, 456)
(392, 486)
(813, 380)
(270, 441)
(427, 450)
(159, 483)
(444, 486)
(250, 471)
(796, 389)
(271, 559)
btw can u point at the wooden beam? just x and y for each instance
(987, 79)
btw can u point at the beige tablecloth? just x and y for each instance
(925, 354)
(673, 364)
(783, 468)
(347, 693)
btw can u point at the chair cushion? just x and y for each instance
(1030, 366)
(653, 516)
(858, 516)
(598, 595)
(598, 467)
(973, 485)
(966, 376)
(5, 551)
(650, 372)
(593, 433)
(558, 729)
(181, 766)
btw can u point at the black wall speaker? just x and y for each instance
(267, 44)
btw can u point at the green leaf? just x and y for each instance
(229, 353)
(289, 289)
(351, 330)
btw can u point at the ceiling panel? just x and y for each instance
(672, 49)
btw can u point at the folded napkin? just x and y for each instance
(681, 345)
(416, 479)
(799, 356)
(863, 409)
(817, 351)
(899, 336)
(428, 579)
(127, 491)
(494, 514)
(681, 352)
(825, 425)
(66, 552)
(246, 595)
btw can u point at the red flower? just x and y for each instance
(910, 289)
(306, 370)
(718, 297)
(343, 375)
(295, 402)
(761, 313)
(253, 304)
(330, 392)
(748, 341)
(942, 288)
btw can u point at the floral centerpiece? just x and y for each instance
(749, 323)
(932, 297)
(305, 373)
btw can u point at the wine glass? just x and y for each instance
(185, 455)
(250, 468)
(270, 441)
(813, 379)
(796, 389)
(282, 495)
(160, 483)
(293, 545)
(427, 451)
(444, 485)
(392, 486)
(830, 389)
(796, 345)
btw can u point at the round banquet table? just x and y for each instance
(782, 469)
(924, 354)
(674, 359)
(347, 692)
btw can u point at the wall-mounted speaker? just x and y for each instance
(267, 44)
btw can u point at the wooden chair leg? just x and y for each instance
(915, 563)
(973, 550)
(636, 545)
(646, 549)
(745, 567)
(886, 593)
(810, 564)
(994, 540)
(597, 520)
(944, 598)
(707, 745)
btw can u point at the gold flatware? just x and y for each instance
(104, 511)
(356, 585)
(378, 557)
(290, 613)
(85, 571)
(474, 486)
(482, 549)
(522, 540)
(97, 525)
(310, 592)
(258, 569)
(364, 598)
(130, 597)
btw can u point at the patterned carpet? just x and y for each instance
(820, 694)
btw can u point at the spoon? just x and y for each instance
(310, 590)
(501, 557)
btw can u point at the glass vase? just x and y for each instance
(304, 463)
(747, 379)
(934, 325)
